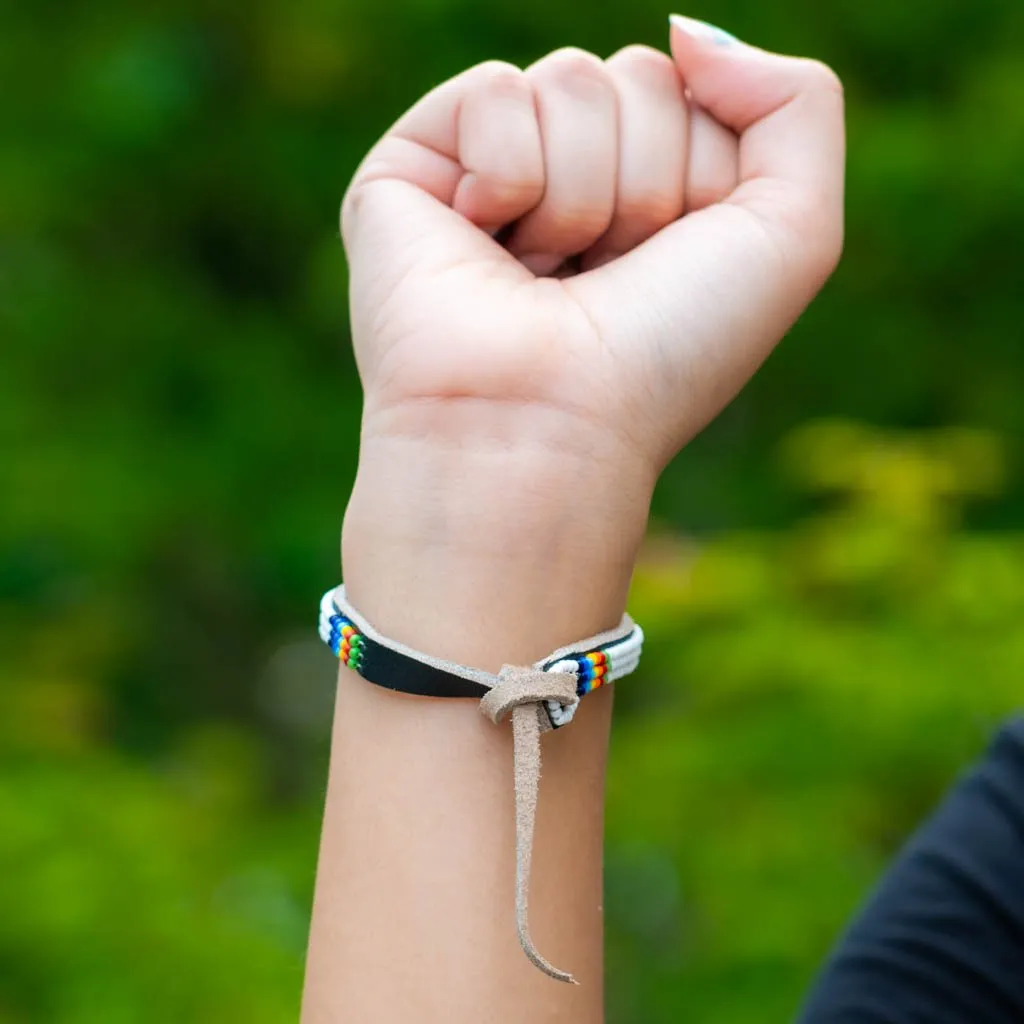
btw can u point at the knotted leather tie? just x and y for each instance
(523, 691)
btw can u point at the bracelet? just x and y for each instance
(596, 661)
(540, 697)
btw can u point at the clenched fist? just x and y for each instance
(624, 240)
(560, 274)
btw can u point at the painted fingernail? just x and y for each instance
(702, 30)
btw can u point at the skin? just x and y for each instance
(662, 220)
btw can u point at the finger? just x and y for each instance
(466, 154)
(473, 143)
(652, 152)
(500, 151)
(722, 286)
(713, 171)
(788, 114)
(576, 107)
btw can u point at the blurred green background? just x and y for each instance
(834, 588)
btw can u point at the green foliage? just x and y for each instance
(178, 415)
(806, 697)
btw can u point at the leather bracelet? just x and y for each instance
(596, 661)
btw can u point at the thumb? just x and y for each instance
(722, 285)
(787, 111)
(463, 161)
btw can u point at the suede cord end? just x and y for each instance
(523, 691)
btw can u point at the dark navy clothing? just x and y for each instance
(942, 939)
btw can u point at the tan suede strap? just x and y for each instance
(521, 691)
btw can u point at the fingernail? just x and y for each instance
(702, 30)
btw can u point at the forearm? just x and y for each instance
(482, 558)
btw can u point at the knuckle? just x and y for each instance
(500, 76)
(495, 69)
(637, 53)
(575, 58)
(821, 77)
(644, 60)
(571, 65)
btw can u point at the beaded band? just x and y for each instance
(538, 697)
(597, 662)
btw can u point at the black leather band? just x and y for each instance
(395, 671)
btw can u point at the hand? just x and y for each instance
(667, 219)
(558, 276)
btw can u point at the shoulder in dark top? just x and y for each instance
(942, 939)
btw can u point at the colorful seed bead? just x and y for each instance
(593, 667)
(346, 641)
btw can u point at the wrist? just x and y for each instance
(482, 549)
